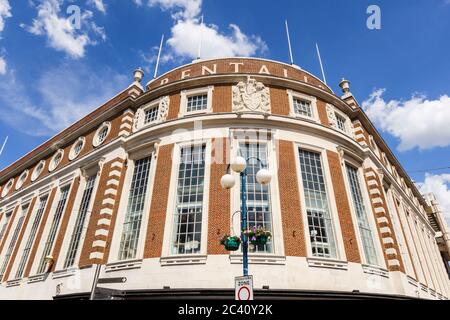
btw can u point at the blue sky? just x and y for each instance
(51, 73)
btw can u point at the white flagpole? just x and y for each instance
(3, 146)
(289, 42)
(159, 56)
(199, 53)
(321, 65)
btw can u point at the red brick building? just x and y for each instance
(135, 187)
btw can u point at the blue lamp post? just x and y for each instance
(263, 176)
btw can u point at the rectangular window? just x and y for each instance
(341, 123)
(135, 209)
(302, 108)
(53, 229)
(30, 240)
(189, 206)
(259, 212)
(2, 232)
(151, 115)
(80, 222)
(317, 208)
(13, 241)
(361, 214)
(197, 103)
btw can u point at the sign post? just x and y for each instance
(243, 288)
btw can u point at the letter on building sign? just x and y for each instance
(205, 70)
(236, 66)
(185, 74)
(264, 70)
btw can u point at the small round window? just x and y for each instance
(21, 179)
(76, 148)
(7, 187)
(102, 134)
(56, 160)
(38, 170)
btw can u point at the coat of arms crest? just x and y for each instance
(251, 96)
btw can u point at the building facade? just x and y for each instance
(135, 187)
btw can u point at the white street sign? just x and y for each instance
(243, 288)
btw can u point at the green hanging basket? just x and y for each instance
(257, 235)
(231, 243)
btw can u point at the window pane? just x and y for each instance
(361, 214)
(53, 229)
(340, 122)
(189, 207)
(79, 223)
(316, 199)
(135, 209)
(151, 115)
(302, 107)
(258, 196)
(13, 241)
(30, 240)
(197, 103)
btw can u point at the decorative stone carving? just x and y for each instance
(137, 116)
(251, 96)
(163, 110)
(331, 115)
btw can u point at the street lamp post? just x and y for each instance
(239, 165)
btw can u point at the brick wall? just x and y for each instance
(158, 207)
(291, 214)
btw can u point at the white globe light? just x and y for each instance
(227, 181)
(238, 164)
(263, 176)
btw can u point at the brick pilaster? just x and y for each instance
(19, 239)
(360, 134)
(104, 211)
(126, 124)
(384, 224)
(291, 214)
(342, 203)
(219, 199)
(158, 207)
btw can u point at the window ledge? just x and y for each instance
(64, 273)
(259, 259)
(183, 260)
(375, 270)
(423, 287)
(37, 278)
(13, 283)
(124, 265)
(327, 263)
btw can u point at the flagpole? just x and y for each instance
(289, 42)
(321, 65)
(159, 56)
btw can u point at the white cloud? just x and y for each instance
(2, 66)
(98, 4)
(417, 122)
(182, 9)
(440, 186)
(5, 12)
(187, 32)
(58, 98)
(186, 36)
(61, 33)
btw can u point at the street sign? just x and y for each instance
(112, 280)
(243, 288)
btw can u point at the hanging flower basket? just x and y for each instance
(257, 236)
(231, 243)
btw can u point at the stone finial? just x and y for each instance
(345, 85)
(138, 75)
